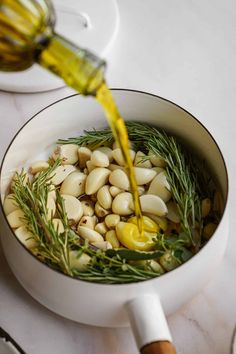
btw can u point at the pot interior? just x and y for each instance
(69, 117)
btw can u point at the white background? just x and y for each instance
(185, 51)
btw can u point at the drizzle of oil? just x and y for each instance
(22, 26)
(119, 131)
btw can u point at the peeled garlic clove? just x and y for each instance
(209, 230)
(9, 204)
(88, 221)
(68, 153)
(16, 218)
(74, 184)
(100, 211)
(173, 212)
(119, 179)
(80, 263)
(153, 204)
(60, 173)
(159, 220)
(112, 220)
(84, 154)
(143, 175)
(101, 228)
(96, 179)
(118, 156)
(114, 167)
(168, 261)
(102, 245)
(140, 161)
(112, 239)
(206, 207)
(90, 166)
(141, 190)
(115, 190)
(123, 204)
(218, 203)
(51, 208)
(73, 208)
(88, 234)
(155, 160)
(88, 207)
(99, 159)
(156, 267)
(107, 151)
(52, 192)
(104, 197)
(58, 225)
(38, 166)
(160, 187)
(26, 237)
(158, 169)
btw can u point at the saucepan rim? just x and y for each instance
(147, 280)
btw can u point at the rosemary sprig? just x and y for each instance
(92, 139)
(181, 171)
(114, 270)
(182, 181)
(180, 174)
(54, 247)
(31, 197)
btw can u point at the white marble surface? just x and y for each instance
(185, 51)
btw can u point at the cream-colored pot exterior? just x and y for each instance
(96, 304)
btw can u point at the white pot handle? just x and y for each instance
(149, 325)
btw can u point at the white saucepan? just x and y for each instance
(143, 304)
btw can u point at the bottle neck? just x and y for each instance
(79, 68)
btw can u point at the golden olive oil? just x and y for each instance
(119, 131)
(27, 36)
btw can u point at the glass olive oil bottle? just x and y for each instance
(27, 36)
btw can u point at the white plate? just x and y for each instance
(91, 24)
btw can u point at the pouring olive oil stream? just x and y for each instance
(27, 36)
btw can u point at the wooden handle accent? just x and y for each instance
(163, 347)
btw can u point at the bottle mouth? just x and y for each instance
(96, 79)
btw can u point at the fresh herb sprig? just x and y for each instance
(182, 180)
(114, 270)
(54, 248)
(180, 170)
(92, 139)
(32, 197)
